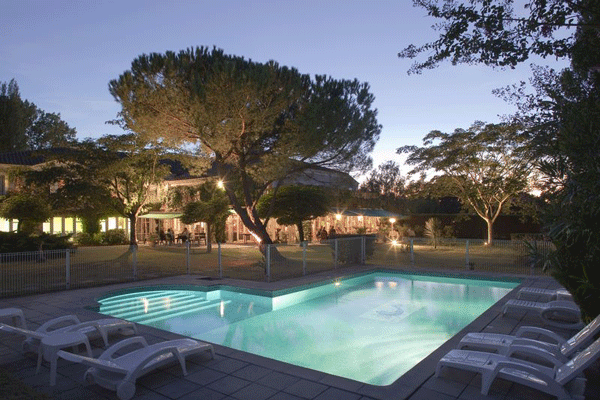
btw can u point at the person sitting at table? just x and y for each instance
(183, 236)
(162, 237)
(170, 236)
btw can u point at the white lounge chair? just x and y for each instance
(564, 381)
(540, 294)
(68, 323)
(120, 373)
(557, 313)
(563, 349)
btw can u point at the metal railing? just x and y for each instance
(37, 272)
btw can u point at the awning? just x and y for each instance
(366, 212)
(161, 215)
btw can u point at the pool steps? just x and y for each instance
(178, 304)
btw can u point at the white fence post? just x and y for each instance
(134, 262)
(68, 268)
(467, 254)
(363, 250)
(304, 244)
(187, 256)
(219, 260)
(268, 262)
(335, 254)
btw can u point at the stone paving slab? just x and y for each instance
(238, 375)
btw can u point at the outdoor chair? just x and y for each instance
(69, 323)
(558, 313)
(563, 380)
(561, 348)
(544, 294)
(120, 372)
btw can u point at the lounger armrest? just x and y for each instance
(59, 322)
(108, 353)
(21, 331)
(548, 347)
(536, 352)
(150, 356)
(540, 331)
(104, 365)
(541, 373)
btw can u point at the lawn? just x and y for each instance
(91, 266)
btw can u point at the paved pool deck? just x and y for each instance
(234, 374)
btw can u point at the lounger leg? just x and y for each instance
(39, 360)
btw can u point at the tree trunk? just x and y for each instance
(490, 224)
(208, 234)
(300, 232)
(132, 234)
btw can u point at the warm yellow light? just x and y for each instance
(392, 284)
(220, 184)
(258, 239)
(360, 217)
(146, 303)
(338, 216)
(394, 242)
(392, 220)
(337, 283)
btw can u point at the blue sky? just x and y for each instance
(64, 53)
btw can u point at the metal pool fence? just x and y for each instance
(37, 272)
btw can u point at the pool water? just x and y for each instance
(372, 328)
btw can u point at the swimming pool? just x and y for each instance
(370, 328)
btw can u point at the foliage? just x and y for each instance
(114, 236)
(29, 210)
(88, 239)
(25, 127)
(70, 184)
(15, 242)
(254, 123)
(292, 205)
(349, 249)
(562, 116)
(385, 186)
(433, 230)
(484, 166)
(495, 33)
(96, 178)
(204, 203)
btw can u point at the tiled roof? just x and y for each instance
(26, 157)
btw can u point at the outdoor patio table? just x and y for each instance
(51, 344)
(18, 319)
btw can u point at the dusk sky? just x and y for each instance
(63, 54)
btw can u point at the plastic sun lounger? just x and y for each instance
(544, 294)
(564, 380)
(557, 313)
(561, 348)
(68, 323)
(119, 373)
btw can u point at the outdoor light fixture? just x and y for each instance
(220, 184)
(394, 242)
(338, 216)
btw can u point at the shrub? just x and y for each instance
(16, 242)
(114, 237)
(349, 250)
(88, 239)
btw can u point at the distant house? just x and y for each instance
(166, 218)
(60, 224)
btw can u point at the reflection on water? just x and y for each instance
(372, 329)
